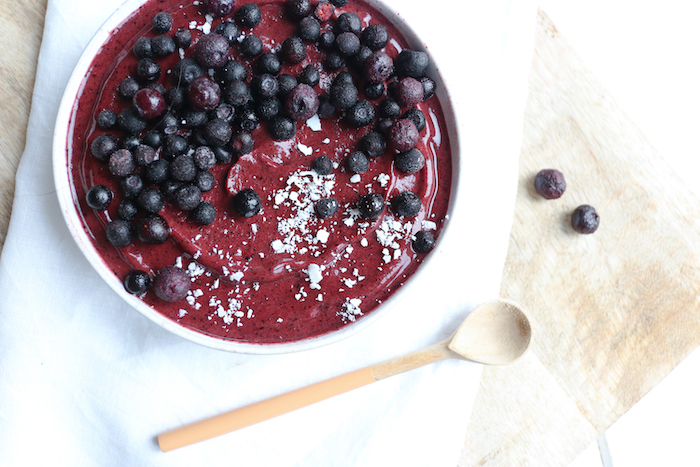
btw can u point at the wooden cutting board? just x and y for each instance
(613, 312)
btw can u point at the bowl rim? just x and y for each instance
(61, 148)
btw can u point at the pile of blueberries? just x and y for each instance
(174, 136)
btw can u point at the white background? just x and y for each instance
(647, 56)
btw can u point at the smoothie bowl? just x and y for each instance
(262, 177)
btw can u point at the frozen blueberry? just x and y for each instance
(293, 50)
(163, 45)
(175, 97)
(358, 60)
(375, 36)
(410, 161)
(334, 61)
(150, 200)
(131, 185)
(309, 75)
(343, 94)
(204, 180)
(423, 242)
(374, 90)
(157, 86)
(241, 143)
(233, 71)
(428, 87)
(130, 122)
(142, 47)
(286, 83)
(248, 120)
(187, 197)
(156, 171)
(309, 29)
(119, 232)
(302, 102)
(147, 70)
(550, 183)
(162, 22)
(121, 163)
(585, 219)
(220, 8)
(357, 162)
(127, 209)
(194, 119)
(326, 207)
(223, 156)
(185, 71)
(299, 9)
(204, 213)
(182, 168)
(247, 202)
(347, 44)
(237, 93)
(251, 46)
(129, 142)
(153, 229)
(408, 92)
(268, 108)
(349, 22)
(103, 146)
(174, 145)
(268, 62)
(339, 3)
(406, 204)
(128, 87)
(152, 139)
(171, 283)
(403, 134)
(371, 205)
(389, 108)
(98, 197)
(149, 103)
(168, 189)
(412, 63)
(106, 119)
(136, 282)
(322, 165)
(360, 114)
(282, 128)
(223, 111)
(217, 132)
(204, 158)
(211, 51)
(229, 31)
(248, 15)
(384, 125)
(373, 144)
(417, 117)
(183, 38)
(326, 40)
(326, 109)
(264, 85)
(203, 93)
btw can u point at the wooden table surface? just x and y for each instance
(607, 309)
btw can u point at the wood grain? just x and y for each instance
(613, 312)
(20, 39)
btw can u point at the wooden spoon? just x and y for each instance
(495, 333)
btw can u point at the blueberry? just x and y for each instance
(357, 162)
(103, 146)
(217, 132)
(149, 103)
(423, 242)
(343, 95)
(378, 67)
(182, 168)
(153, 229)
(248, 120)
(204, 158)
(203, 93)
(371, 205)
(248, 15)
(322, 165)
(389, 108)
(347, 44)
(403, 134)
(204, 213)
(339, 3)
(127, 209)
(334, 61)
(406, 204)
(293, 50)
(121, 163)
(152, 139)
(220, 8)
(428, 87)
(309, 29)
(412, 63)
(98, 197)
(358, 60)
(187, 197)
(204, 180)
(286, 83)
(550, 183)
(374, 90)
(129, 142)
(229, 31)
(417, 117)
(373, 144)
(211, 51)
(343, 78)
(194, 119)
(241, 143)
(157, 86)
(237, 93)
(282, 128)
(171, 283)
(233, 71)
(128, 87)
(264, 85)
(119, 232)
(375, 36)
(136, 282)
(223, 156)
(142, 47)
(324, 11)
(175, 97)
(174, 145)
(150, 200)
(147, 70)
(384, 125)
(106, 119)
(223, 111)
(183, 38)
(326, 207)
(408, 92)
(168, 188)
(299, 9)
(185, 71)
(251, 46)
(302, 102)
(326, 109)
(163, 45)
(309, 75)
(410, 161)
(326, 40)
(162, 22)
(157, 171)
(585, 219)
(130, 122)
(360, 114)
(349, 22)
(268, 108)
(247, 202)
(268, 62)
(131, 185)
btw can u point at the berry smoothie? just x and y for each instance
(296, 183)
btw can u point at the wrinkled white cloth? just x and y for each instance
(87, 381)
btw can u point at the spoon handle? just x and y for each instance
(302, 397)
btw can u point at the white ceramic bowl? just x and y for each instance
(73, 217)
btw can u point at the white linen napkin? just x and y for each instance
(87, 381)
